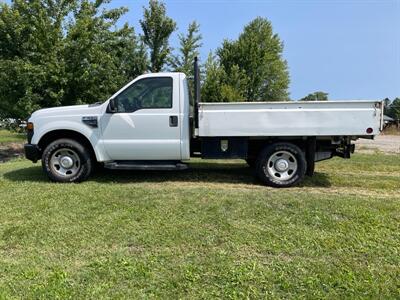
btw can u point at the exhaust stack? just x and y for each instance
(196, 93)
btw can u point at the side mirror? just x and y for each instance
(112, 106)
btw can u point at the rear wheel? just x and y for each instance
(66, 160)
(281, 165)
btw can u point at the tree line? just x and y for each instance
(67, 52)
(392, 108)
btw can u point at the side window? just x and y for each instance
(146, 93)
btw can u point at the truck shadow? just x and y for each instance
(227, 173)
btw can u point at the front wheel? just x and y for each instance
(66, 160)
(281, 165)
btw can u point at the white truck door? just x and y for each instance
(146, 125)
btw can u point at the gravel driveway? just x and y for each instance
(384, 143)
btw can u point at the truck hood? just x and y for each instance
(62, 111)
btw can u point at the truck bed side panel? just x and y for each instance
(330, 118)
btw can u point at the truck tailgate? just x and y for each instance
(316, 118)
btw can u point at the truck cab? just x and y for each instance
(147, 119)
(147, 125)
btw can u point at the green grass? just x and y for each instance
(209, 232)
(8, 136)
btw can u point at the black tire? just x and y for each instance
(83, 169)
(297, 158)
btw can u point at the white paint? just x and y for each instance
(323, 118)
(69, 118)
(146, 135)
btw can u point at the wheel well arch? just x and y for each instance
(256, 145)
(53, 135)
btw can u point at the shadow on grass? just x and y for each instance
(198, 172)
(32, 174)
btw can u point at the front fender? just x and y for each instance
(42, 127)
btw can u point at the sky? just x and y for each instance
(349, 49)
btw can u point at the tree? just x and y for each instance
(255, 59)
(211, 87)
(31, 42)
(188, 50)
(157, 28)
(393, 110)
(316, 96)
(218, 86)
(63, 52)
(98, 58)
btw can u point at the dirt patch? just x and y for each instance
(384, 143)
(11, 150)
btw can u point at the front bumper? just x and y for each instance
(32, 152)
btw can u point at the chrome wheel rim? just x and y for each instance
(282, 166)
(65, 162)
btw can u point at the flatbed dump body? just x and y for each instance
(319, 118)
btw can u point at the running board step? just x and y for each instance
(145, 165)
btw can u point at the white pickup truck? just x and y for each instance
(147, 125)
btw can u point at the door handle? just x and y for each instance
(173, 121)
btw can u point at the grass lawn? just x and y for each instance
(8, 136)
(211, 231)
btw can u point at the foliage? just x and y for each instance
(157, 28)
(30, 71)
(316, 96)
(209, 232)
(253, 66)
(99, 60)
(62, 53)
(55, 53)
(393, 109)
(218, 86)
(189, 46)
